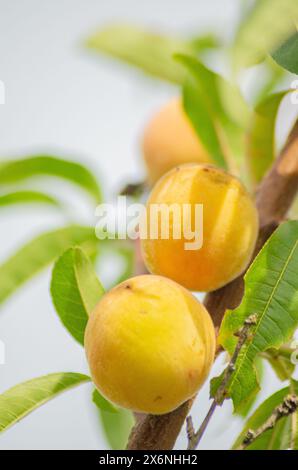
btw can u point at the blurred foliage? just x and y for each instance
(268, 24)
(274, 76)
(261, 150)
(149, 51)
(216, 109)
(102, 403)
(17, 171)
(287, 54)
(281, 362)
(39, 253)
(27, 197)
(116, 422)
(117, 427)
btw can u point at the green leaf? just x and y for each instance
(204, 42)
(261, 136)
(146, 50)
(271, 293)
(273, 77)
(203, 121)
(40, 252)
(280, 361)
(287, 54)
(268, 25)
(246, 409)
(117, 422)
(117, 427)
(216, 109)
(75, 291)
(15, 171)
(247, 406)
(102, 403)
(27, 197)
(284, 435)
(19, 401)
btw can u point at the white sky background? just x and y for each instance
(61, 99)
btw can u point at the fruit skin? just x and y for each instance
(170, 140)
(230, 228)
(150, 344)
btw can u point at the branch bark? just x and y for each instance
(274, 198)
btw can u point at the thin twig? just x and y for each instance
(194, 438)
(221, 393)
(287, 407)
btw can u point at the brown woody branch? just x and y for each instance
(274, 198)
(287, 407)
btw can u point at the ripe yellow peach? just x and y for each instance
(170, 140)
(150, 344)
(229, 228)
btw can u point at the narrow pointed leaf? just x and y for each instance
(284, 435)
(117, 427)
(102, 403)
(16, 171)
(75, 291)
(149, 51)
(27, 197)
(216, 110)
(22, 399)
(261, 136)
(39, 253)
(123, 422)
(271, 293)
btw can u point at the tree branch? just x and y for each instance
(288, 407)
(274, 198)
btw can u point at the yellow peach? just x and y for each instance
(150, 344)
(170, 140)
(229, 228)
